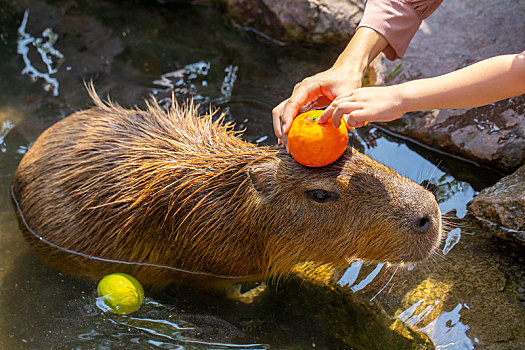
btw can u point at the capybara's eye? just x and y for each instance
(321, 196)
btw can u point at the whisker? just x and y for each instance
(434, 170)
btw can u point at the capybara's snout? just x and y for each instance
(418, 217)
(423, 225)
(426, 219)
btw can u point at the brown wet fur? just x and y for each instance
(181, 190)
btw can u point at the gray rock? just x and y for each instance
(501, 207)
(460, 33)
(312, 21)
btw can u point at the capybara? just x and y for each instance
(169, 195)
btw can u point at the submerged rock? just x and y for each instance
(470, 298)
(311, 21)
(457, 35)
(501, 208)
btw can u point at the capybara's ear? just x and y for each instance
(262, 176)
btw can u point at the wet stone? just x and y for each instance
(500, 209)
(310, 21)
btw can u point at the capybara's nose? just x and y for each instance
(422, 224)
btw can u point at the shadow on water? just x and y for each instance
(135, 49)
(42, 308)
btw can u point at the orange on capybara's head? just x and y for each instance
(173, 195)
(313, 144)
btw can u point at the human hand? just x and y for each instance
(369, 104)
(321, 88)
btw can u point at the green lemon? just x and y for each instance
(121, 293)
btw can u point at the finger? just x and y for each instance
(340, 110)
(359, 116)
(303, 93)
(327, 114)
(276, 117)
(285, 142)
(356, 118)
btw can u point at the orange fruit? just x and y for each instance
(313, 144)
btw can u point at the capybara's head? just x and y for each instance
(163, 195)
(355, 207)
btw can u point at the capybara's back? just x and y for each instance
(171, 195)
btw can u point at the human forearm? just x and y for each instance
(364, 46)
(482, 83)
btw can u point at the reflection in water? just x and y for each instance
(171, 332)
(452, 239)
(229, 80)
(448, 332)
(4, 130)
(184, 82)
(445, 330)
(46, 51)
(189, 81)
(351, 274)
(369, 278)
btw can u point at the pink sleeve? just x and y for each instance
(397, 20)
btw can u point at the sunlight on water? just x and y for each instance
(45, 49)
(4, 130)
(184, 81)
(453, 238)
(448, 332)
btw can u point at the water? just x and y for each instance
(47, 51)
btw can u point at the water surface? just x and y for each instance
(132, 50)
